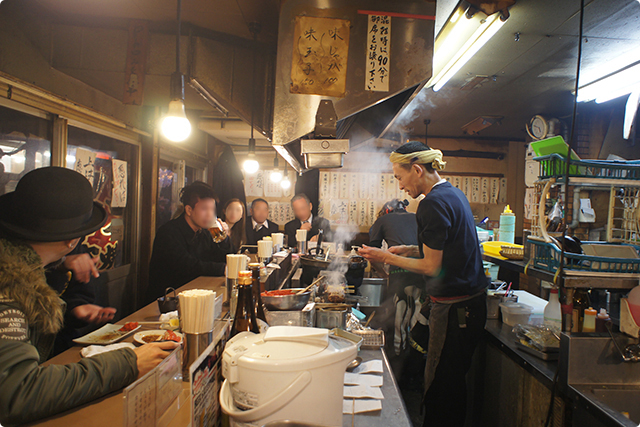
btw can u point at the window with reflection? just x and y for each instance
(25, 145)
(111, 167)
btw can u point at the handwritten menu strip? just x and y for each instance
(355, 198)
(320, 52)
(378, 52)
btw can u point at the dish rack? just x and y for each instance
(546, 256)
(371, 338)
(621, 179)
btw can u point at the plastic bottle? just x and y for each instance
(601, 319)
(589, 324)
(507, 225)
(552, 312)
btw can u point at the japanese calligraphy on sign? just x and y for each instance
(85, 163)
(136, 60)
(119, 190)
(378, 51)
(320, 52)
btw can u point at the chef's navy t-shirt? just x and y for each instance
(445, 223)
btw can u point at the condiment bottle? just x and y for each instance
(589, 324)
(245, 318)
(234, 292)
(507, 225)
(601, 319)
(257, 299)
(552, 312)
(580, 303)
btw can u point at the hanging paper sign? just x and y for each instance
(324, 185)
(85, 163)
(466, 187)
(320, 51)
(272, 189)
(134, 72)
(119, 191)
(475, 189)
(484, 191)
(378, 52)
(254, 184)
(495, 190)
(503, 190)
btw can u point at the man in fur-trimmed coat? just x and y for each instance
(40, 222)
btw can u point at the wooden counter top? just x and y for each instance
(108, 411)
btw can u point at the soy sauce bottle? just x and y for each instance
(257, 299)
(245, 318)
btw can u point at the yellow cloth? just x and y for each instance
(421, 157)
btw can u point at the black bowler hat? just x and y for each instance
(51, 204)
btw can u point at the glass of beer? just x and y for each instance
(217, 233)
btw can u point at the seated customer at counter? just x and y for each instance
(305, 221)
(40, 222)
(259, 226)
(183, 249)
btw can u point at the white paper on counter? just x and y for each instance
(362, 379)
(370, 366)
(362, 392)
(361, 405)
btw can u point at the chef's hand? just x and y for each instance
(150, 355)
(405, 251)
(306, 226)
(372, 254)
(314, 238)
(82, 266)
(92, 313)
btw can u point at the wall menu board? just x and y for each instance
(354, 198)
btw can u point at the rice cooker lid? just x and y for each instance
(282, 343)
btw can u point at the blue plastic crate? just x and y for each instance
(554, 166)
(546, 256)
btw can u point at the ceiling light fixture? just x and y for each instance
(487, 29)
(251, 165)
(621, 82)
(285, 183)
(276, 175)
(175, 125)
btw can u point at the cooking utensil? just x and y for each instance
(354, 364)
(286, 302)
(167, 303)
(369, 321)
(310, 286)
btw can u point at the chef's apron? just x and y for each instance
(407, 287)
(438, 325)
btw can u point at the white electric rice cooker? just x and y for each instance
(288, 373)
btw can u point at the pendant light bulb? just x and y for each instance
(276, 175)
(175, 126)
(285, 183)
(251, 165)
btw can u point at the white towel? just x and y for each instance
(93, 350)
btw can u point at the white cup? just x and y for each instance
(265, 248)
(235, 263)
(278, 240)
(301, 235)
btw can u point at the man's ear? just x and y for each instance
(310, 206)
(419, 170)
(71, 244)
(188, 210)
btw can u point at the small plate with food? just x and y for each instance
(157, 335)
(108, 334)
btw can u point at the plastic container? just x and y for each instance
(507, 225)
(516, 312)
(589, 324)
(553, 312)
(601, 319)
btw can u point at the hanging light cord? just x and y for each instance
(179, 15)
(253, 75)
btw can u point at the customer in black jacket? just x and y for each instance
(184, 249)
(305, 220)
(258, 226)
